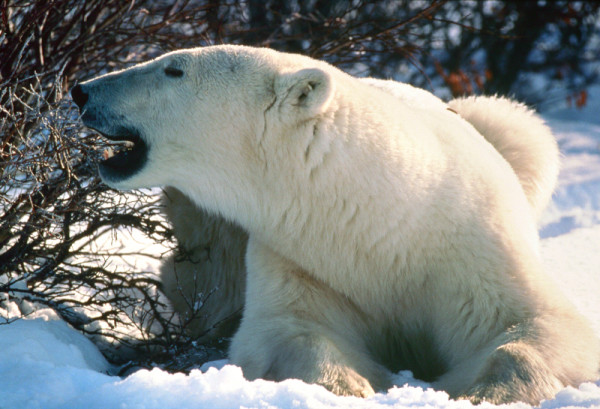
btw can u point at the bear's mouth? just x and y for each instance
(126, 156)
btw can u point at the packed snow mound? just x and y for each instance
(44, 362)
(48, 339)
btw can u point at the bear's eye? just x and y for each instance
(173, 72)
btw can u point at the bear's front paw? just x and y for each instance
(345, 381)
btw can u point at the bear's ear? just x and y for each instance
(304, 94)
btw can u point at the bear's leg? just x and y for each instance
(205, 280)
(530, 362)
(295, 326)
(514, 372)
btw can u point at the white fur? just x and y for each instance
(385, 232)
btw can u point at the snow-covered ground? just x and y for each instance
(45, 364)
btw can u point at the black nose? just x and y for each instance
(79, 96)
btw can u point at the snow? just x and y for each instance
(46, 364)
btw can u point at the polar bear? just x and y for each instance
(384, 232)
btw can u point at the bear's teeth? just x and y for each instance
(108, 153)
(122, 145)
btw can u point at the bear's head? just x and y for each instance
(208, 119)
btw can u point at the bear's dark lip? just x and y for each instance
(128, 160)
